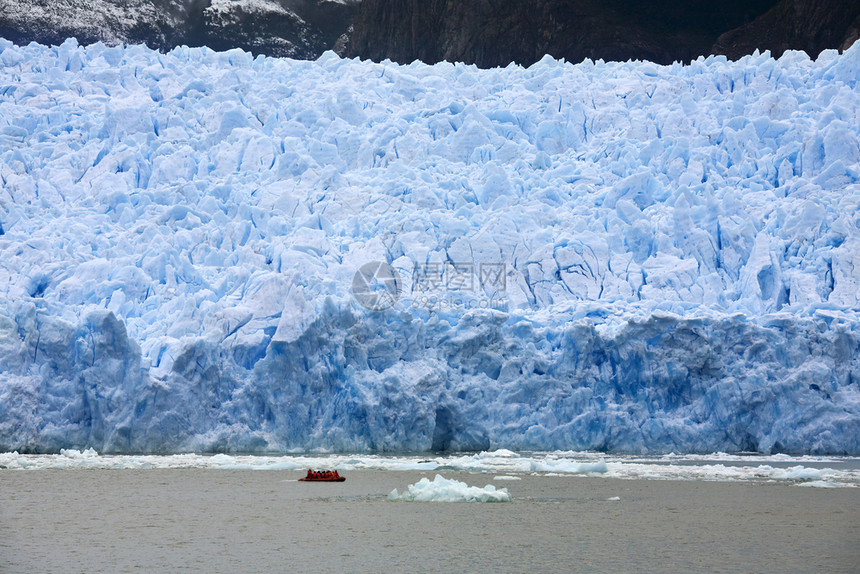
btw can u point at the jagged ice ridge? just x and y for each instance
(623, 257)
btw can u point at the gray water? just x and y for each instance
(204, 520)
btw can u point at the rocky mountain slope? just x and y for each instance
(795, 24)
(292, 28)
(487, 34)
(483, 32)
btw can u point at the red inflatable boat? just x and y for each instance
(323, 476)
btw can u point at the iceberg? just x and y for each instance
(442, 489)
(207, 252)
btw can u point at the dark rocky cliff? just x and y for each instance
(290, 28)
(497, 32)
(484, 32)
(793, 25)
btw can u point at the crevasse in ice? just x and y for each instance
(623, 257)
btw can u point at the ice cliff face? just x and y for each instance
(202, 251)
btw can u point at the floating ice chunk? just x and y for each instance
(823, 484)
(441, 489)
(499, 453)
(76, 454)
(800, 473)
(568, 466)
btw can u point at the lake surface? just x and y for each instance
(217, 520)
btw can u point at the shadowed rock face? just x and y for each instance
(289, 28)
(158, 23)
(492, 33)
(484, 32)
(794, 25)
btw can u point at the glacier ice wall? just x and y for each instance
(623, 257)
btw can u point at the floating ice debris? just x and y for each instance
(442, 489)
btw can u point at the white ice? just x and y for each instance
(442, 489)
(838, 471)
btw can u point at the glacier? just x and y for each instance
(621, 257)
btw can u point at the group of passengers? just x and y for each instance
(319, 474)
